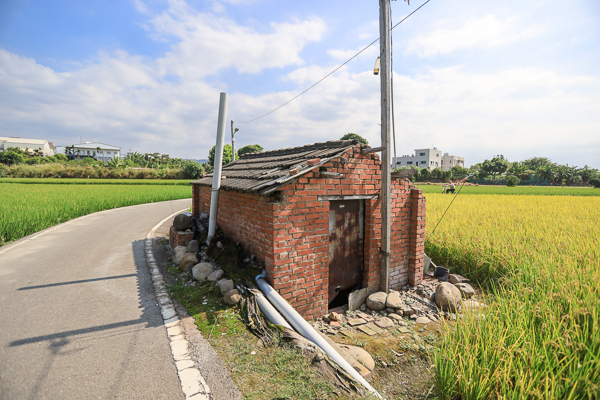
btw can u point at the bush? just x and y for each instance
(595, 182)
(512, 181)
(193, 170)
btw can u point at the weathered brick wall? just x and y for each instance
(243, 217)
(291, 236)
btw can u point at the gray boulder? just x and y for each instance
(447, 297)
(188, 261)
(193, 247)
(216, 275)
(178, 253)
(232, 297)
(393, 301)
(182, 222)
(423, 320)
(225, 285)
(202, 271)
(376, 301)
(455, 278)
(466, 290)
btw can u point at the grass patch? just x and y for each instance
(539, 258)
(276, 372)
(517, 190)
(26, 209)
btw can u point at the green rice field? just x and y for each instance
(538, 258)
(29, 208)
(517, 190)
(83, 181)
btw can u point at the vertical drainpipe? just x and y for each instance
(216, 185)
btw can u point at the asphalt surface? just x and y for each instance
(78, 314)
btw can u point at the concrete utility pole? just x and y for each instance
(386, 112)
(233, 140)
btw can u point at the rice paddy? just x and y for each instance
(517, 190)
(29, 208)
(538, 257)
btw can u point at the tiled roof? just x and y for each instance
(266, 172)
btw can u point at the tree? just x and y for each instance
(496, 166)
(535, 163)
(354, 136)
(9, 157)
(227, 155)
(512, 181)
(459, 172)
(251, 148)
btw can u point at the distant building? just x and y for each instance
(449, 161)
(430, 158)
(29, 145)
(100, 151)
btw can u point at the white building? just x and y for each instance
(101, 151)
(27, 144)
(430, 158)
(449, 161)
(423, 158)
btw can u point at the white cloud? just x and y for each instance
(482, 33)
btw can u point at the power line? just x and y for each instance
(332, 72)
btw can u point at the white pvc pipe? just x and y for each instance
(271, 312)
(306, 330)
(216, 185)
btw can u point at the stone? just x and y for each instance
(455, 278)
(376, 301)
(201, 271)
(395, 316)
(366, 317)
(466, 290)
(402, 323)
(226, 285)
(447, 297)
(384, 323)
(357, 298)
(178, 253)
(220, 245)
(334, 323)
(423, 320)
(363, 307)
(333, 316)
(356, 322)
(367, 330)
(215, 276)
(389, 310)
(182, 222)
(393, 301)
(360, 355)
(193, 247)
(404, 330)
(374, 327)
(406, 311)
(232, 297)
(188, 261)
(471, 304)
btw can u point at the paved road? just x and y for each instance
(78, 316)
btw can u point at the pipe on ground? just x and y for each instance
(306, 330)
(216, 184)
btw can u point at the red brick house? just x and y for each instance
(311, 214)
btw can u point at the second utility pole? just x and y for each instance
(386, 62)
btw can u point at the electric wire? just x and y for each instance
(454, 198)
(332, 72)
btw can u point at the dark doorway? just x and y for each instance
(346, 233)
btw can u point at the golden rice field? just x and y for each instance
(28, 208)
(539, 258)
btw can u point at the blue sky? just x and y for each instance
(472, 78)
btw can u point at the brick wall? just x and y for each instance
(179, 238)
(291, 236)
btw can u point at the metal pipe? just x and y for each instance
(216, 184)
(306, 330)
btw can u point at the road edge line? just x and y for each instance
(193, 385)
